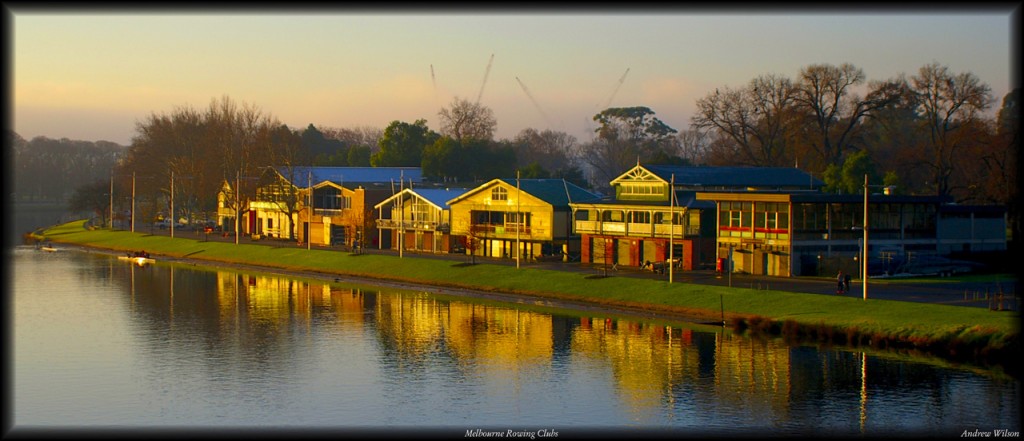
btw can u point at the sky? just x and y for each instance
(92, 75)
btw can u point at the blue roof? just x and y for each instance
(556, 192)
(439, 196)
(345, 175)
(736, 177)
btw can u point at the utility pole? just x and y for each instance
(401, 213)
(671, 226)
(864, 277)
(309, 205)
(174, 219)
(238, 202)
(519, 220)
(133, 203)
(111, 200)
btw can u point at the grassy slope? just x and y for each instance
(912, 323)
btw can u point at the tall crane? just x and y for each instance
(486, 73)
(534, 101)
(617, 86)
(589, 122)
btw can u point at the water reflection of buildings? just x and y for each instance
(285, 301)
(267, 325)
(655, 368)
(668, 369)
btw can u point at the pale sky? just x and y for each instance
(91, 75)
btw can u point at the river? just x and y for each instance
(100, 344)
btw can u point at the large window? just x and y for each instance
(420, 211)
(640, 217)
(517, 219)
(735, 219)
(332, 199)
(499, 194)
(771, 220)
(735, 214)
(641, 189)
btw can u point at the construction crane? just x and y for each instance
(589, 122)
(617, 86)
(534, 101)
(433, 80)
(486, 73)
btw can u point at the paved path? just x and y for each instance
(977, 294)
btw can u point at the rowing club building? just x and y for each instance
(655, 213)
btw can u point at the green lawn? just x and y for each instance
(908, 322)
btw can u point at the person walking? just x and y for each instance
(840, 280)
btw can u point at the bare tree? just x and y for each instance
(826, 93)
(950, 105)
(548, 149)
(694, 145)
(756, 119)
(464, 120)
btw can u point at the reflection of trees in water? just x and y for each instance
(244, 327)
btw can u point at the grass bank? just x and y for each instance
(954, 332)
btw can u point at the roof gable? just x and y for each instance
(557, 192)
(638, 174)
(437, 197)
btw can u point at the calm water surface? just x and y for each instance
(102, 343)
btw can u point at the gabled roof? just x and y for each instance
(438, 197)
(557, 192)
(347, 175)
(734, 177)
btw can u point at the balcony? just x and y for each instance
(411, 225)
(634, 229)
(494, 230)
(328, 212)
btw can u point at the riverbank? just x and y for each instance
(957, 333)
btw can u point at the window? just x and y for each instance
(735, 214)
(420, 211)
(517, 219)
(633, 189)
(640, 217)
(499, 194)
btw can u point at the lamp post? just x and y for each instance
(864, 252)
(864, 276)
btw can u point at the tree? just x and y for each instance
(950, 105)
(825, 93)
(849, 178)
(753, 124)
(277, 186)
(449, 159)
(693, 146)
(549, 150)
(203, 149)
(402, 144)
(626, 135)
(443, 159)
(94, 198)
(464, 120)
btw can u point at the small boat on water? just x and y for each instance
(138, 260)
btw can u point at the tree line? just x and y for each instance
(927, 133)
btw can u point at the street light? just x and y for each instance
(864, 277)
